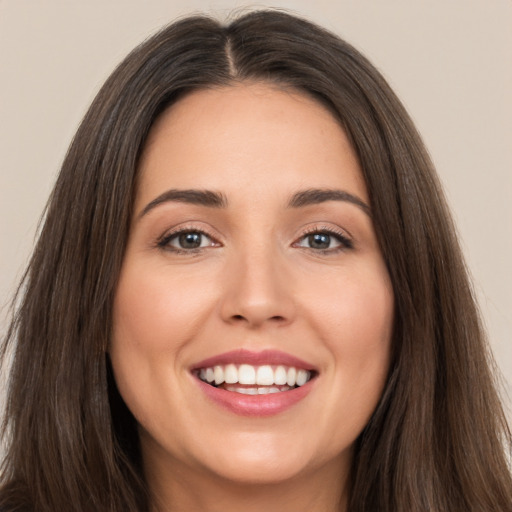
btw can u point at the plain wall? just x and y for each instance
(449, 61)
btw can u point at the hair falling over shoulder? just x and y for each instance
(438, 440)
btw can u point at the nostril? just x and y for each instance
(275, 318)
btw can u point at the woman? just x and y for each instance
(248, 294)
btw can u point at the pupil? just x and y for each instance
(319, 241)
(190, 240)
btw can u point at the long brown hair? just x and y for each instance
(438, 439)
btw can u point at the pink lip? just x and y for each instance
(242, 356)
(255, 405)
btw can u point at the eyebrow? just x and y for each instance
(212, 199)
(207, 198)
(321, 195)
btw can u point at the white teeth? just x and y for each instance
(290, 377)
(265, 376)
(218, 373)
(256, 391)
(280, 376)
(246, 374)
(249, 375)
(302, 377)
(230, 374)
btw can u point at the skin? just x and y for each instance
(257, 283)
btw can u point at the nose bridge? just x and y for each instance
(257, 290)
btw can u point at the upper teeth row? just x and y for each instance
(247, 374)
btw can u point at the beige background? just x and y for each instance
(449, 60)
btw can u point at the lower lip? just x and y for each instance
(256, 405)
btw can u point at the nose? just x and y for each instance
(258, 290)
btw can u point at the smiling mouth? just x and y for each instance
(254, 380)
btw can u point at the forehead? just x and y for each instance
(248, 136)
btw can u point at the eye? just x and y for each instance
(324, 240)
(186, 240)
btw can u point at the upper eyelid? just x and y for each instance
(168, 235)
(345, 239)
(189, 228)
(323, 228)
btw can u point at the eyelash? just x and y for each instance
(345, 242)
(165, 240)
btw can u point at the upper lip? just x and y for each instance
(264, 357)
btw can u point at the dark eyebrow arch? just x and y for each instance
(320, 195)
(207, 198)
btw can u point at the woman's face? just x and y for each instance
(252, 260)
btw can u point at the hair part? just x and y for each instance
(435, 442)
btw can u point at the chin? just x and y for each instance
(266, 460)
(258, 470)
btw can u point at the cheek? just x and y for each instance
(158, 310)
(356, 302)
(354, 316)
(153, 319)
